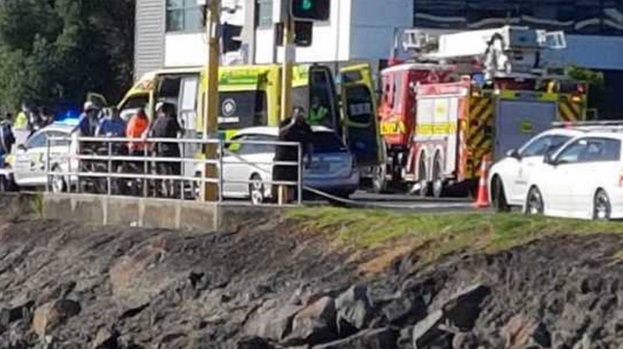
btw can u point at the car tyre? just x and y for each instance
(498, 196)
(602, 209)
(534, 202)
(256, 190)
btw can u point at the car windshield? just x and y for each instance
(327, 142)
(545, 144)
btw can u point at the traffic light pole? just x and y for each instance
(210, 108)
(286, 83)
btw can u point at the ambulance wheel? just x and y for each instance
(438, 184)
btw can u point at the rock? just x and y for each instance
(405, 311)
(405, 339)
(254, 343)
(463, 309)
(10, 315)
(465, 340)
(521, 331)
(106, 339)
(58, 292)
(381, 338)
(354, 310)
(426, 331)
(52, 314)
(314, 324)
(274, 324)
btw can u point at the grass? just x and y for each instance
(434, 235)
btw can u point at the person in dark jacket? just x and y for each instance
(293, 129)
(167, 126)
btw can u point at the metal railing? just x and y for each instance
(91, 161)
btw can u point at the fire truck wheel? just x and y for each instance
(379, 182)
(423, 184)
(438, 180)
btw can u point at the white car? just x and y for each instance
(508, 178)
(583, 179)
(29, 162)
(332, 168)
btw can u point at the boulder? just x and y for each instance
(273, 323)
(254, 343)
(463, 309)
(465, 340)
(380, 338)
(427, 330)
(10, 315)
(522, 330)
(52, 314)
(354, 310)
(314, 324)
(405, 311)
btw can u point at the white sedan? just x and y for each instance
(508, 178)
(332, 168)
(584, 179)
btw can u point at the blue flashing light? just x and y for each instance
(68, 122)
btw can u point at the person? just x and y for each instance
(7, 139)
(137, 129)
(87, 124)
(292, 129)
(21, 121)
(111, 125)
(167, 126)
(47, 118)
(317, 112)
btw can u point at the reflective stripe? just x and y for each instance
(436, 129)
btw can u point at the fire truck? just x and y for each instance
(480, 94)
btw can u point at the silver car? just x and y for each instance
(332, 168)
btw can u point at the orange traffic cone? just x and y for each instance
(482, 200)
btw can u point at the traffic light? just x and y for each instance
(303, 33)
(310, 10)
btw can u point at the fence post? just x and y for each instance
(220, 170)
(145, 170)
(300, 178)
(47, 165)
(109, 169)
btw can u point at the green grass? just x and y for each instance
(438, 234)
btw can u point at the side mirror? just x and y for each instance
(22, 147)
(547, 159)
(513, 153)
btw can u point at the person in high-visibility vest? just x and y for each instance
(21, 120)
(317, 112)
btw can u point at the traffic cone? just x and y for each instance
(482, 199)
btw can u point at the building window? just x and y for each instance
(264, 13)
(184, 16)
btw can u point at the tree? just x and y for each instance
(55, 51)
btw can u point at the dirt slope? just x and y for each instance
(274, 284)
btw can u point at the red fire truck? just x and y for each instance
(484, 93)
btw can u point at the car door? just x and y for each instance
(560, 177)
(257, 159)
(30, 162)
(233, 167)
(530, 155)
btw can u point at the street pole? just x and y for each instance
(210, 110)
(286, 83)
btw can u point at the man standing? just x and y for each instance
(7, 139)
(21, 121)
(87, 123)
(167, 126)
(317, 112)
(293, 129)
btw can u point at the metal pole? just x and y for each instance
(108, 179)
(209, 191)
(220, 170)
(145, 170)
(286, 84)
(47, 165)
(300, 179)
(69, 169)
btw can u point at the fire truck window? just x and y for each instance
(242, 109)
(359, 102)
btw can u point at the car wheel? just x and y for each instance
(498, 196)
(256, 190)
(602, 208)
(438, 181)
(534, 202)
(59, 185)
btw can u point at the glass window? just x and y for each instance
(38, 141)
(264, 14)
(184, 16)
(250, 149)
(327, 142)
(132, 106)
(591, 150)
(545, 144)
(242, 109)
(59, 134)
(359, 104)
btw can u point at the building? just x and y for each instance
(169, 33)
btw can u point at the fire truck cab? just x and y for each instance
(479, 95)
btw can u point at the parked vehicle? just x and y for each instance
(29, 163)
(508, 178)
(583, 179)
(332, 168)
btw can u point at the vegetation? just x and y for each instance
(434, 235)
(55, 51)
